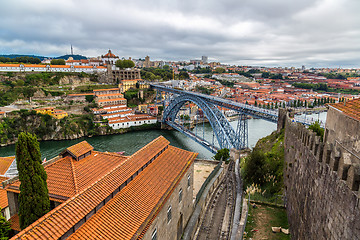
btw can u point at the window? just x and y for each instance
(188, 180)
(169, 214)
(154, 235)
(180, 195)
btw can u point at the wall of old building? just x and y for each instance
(169, 230)
(341, 127)
(321, 187)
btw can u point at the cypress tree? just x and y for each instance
(33, 198)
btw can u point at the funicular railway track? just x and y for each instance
(218, 217)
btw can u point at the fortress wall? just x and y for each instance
(321, 187)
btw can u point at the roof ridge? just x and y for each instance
(74, 176)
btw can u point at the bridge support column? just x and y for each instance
(166, 127)
(234, 154)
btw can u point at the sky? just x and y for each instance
(313, 33)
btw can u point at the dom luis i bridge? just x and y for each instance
(226, 135)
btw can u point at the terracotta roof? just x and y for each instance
(5, 163)
(110, 55)
(131, 212)
(9, 65)
(112, 99)
(80, 149)
(34, 65)
(60, 66)
(58, 221)
(350, 108)
(3, 195)
(15, 223)
(67, 176)
(106, 89)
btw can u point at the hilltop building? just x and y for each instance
(4, 67)
(97, 195)
(109, 58)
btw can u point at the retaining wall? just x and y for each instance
(321, 187)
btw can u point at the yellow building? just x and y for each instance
(143, 108)
(127, 84)
(56, 113)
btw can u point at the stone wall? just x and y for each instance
(321, 187)
(180, 210)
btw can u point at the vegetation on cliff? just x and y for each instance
(47, 127)
(14, 86)
(262, 170)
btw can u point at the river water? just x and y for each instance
(133, 141)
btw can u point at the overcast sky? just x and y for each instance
(314, 33)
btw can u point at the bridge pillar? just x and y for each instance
(166, 127)
(234, 154)
(281, 119)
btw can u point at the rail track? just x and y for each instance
(218, 217)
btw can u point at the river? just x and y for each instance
(133, 141)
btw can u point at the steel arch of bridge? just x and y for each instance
(225, 134)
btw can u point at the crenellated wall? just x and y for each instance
(321, 186)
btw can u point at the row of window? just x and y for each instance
(134, 123)
(154, 234)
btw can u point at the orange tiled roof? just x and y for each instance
(5, 163)
(67, 177)
(3, 195)
(350, 108)
(9, 65)
(106, 89)
(15, 223)
(131, 212)
(58, 221)
(110, 55)
(80, 149)
(112, 99)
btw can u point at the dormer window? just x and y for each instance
(78, 151)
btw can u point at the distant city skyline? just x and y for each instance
(321, 33)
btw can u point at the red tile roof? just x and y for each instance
(131, 212)
(67, 176)
(58, 221)
(3, 195)
(15, 223)
(350, 108)
(5, 163)
(80, 149)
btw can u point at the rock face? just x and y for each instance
(321, 187)
(39, 94)
(74, 80)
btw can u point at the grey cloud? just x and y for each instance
(277, 32)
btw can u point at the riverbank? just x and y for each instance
(48, 128)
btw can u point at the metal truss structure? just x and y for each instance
(225, 134)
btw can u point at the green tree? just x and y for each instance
(255, 104)
(222, 155)
(57, 62)
(219, 70)
(34, 197)
(315, 127)
(4, 227)
(122, 64)
(89, 98)
(254, 170)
